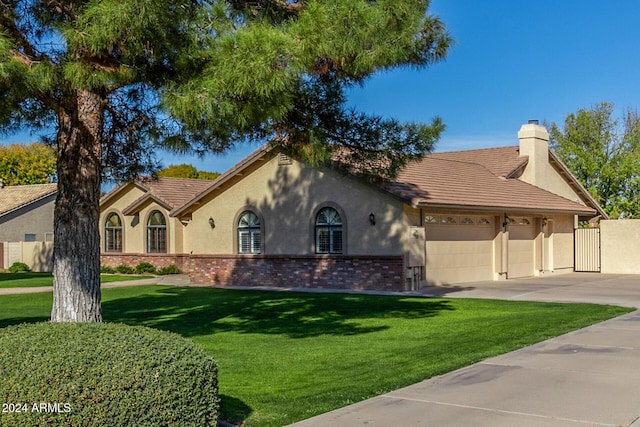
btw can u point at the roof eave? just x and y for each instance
(114, 192)
(573, 180)
(225, 177)
(518, 209)
(24, 205)
(136, 206)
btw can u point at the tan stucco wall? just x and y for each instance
(620, 246)
(287, 197)
(134, 226)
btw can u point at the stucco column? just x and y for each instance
(502, 254)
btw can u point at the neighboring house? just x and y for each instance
(271, 220)
(26, 217)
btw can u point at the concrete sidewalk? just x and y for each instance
(588, 377)
(170, 279)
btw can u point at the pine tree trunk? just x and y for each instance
(76, 268)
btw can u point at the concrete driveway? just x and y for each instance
(589, 377)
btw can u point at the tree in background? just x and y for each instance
(603, 152)
(186, 171)
(27, 164)
(119, 78)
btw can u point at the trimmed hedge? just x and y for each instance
(19, 267)
(124, 269)
(145, 267)
(106, 269)
(169, 269)
(100, 374)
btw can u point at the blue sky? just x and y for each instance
(513, 60)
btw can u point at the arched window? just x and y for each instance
(113, 233)
(249, 234)
(156, 233)
(328, 231)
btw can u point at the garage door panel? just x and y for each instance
(459, 248)
(460, 261)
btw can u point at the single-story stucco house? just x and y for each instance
(271, 220)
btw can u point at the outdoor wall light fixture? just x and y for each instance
(506, 221)
(544, 221)
(212, 223)
(372, 218)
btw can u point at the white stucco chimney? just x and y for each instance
(534, 143)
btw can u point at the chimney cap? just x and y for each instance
(534, 122)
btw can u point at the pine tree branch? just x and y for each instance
(27, 53)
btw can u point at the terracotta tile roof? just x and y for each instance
(16, 196)
(500, 161)
(175, 192)
(454, 180)
(171, 193)
(470, 179)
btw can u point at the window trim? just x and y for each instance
(314, 228)
(106, 232)
(236, 230)
(252, 231)
(166, 232)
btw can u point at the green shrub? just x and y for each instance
(169, 269)
(124, 269)
(100, 374)
(107, 270)
(145, 267)
(19, 267)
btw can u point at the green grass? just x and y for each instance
(31, 280)
(284, 357)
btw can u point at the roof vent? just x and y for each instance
(534, 122)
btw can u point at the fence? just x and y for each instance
(587, 250)
(37, 255)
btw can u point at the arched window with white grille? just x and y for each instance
(156, 233)
(328, 231)
(249, 233)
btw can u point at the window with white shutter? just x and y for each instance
(328, 231)
(249, 234)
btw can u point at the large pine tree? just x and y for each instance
(117, 78)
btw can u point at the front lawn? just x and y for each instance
(287, 356)
(31, 279)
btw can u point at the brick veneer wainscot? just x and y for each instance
(384, 273)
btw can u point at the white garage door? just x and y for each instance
(459, 248)
(521, 248)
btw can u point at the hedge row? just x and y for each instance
(100, 374)
(142, 268)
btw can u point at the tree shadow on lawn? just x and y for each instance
(201, 311)
(24, 276)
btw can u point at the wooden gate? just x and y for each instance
(586, 247)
